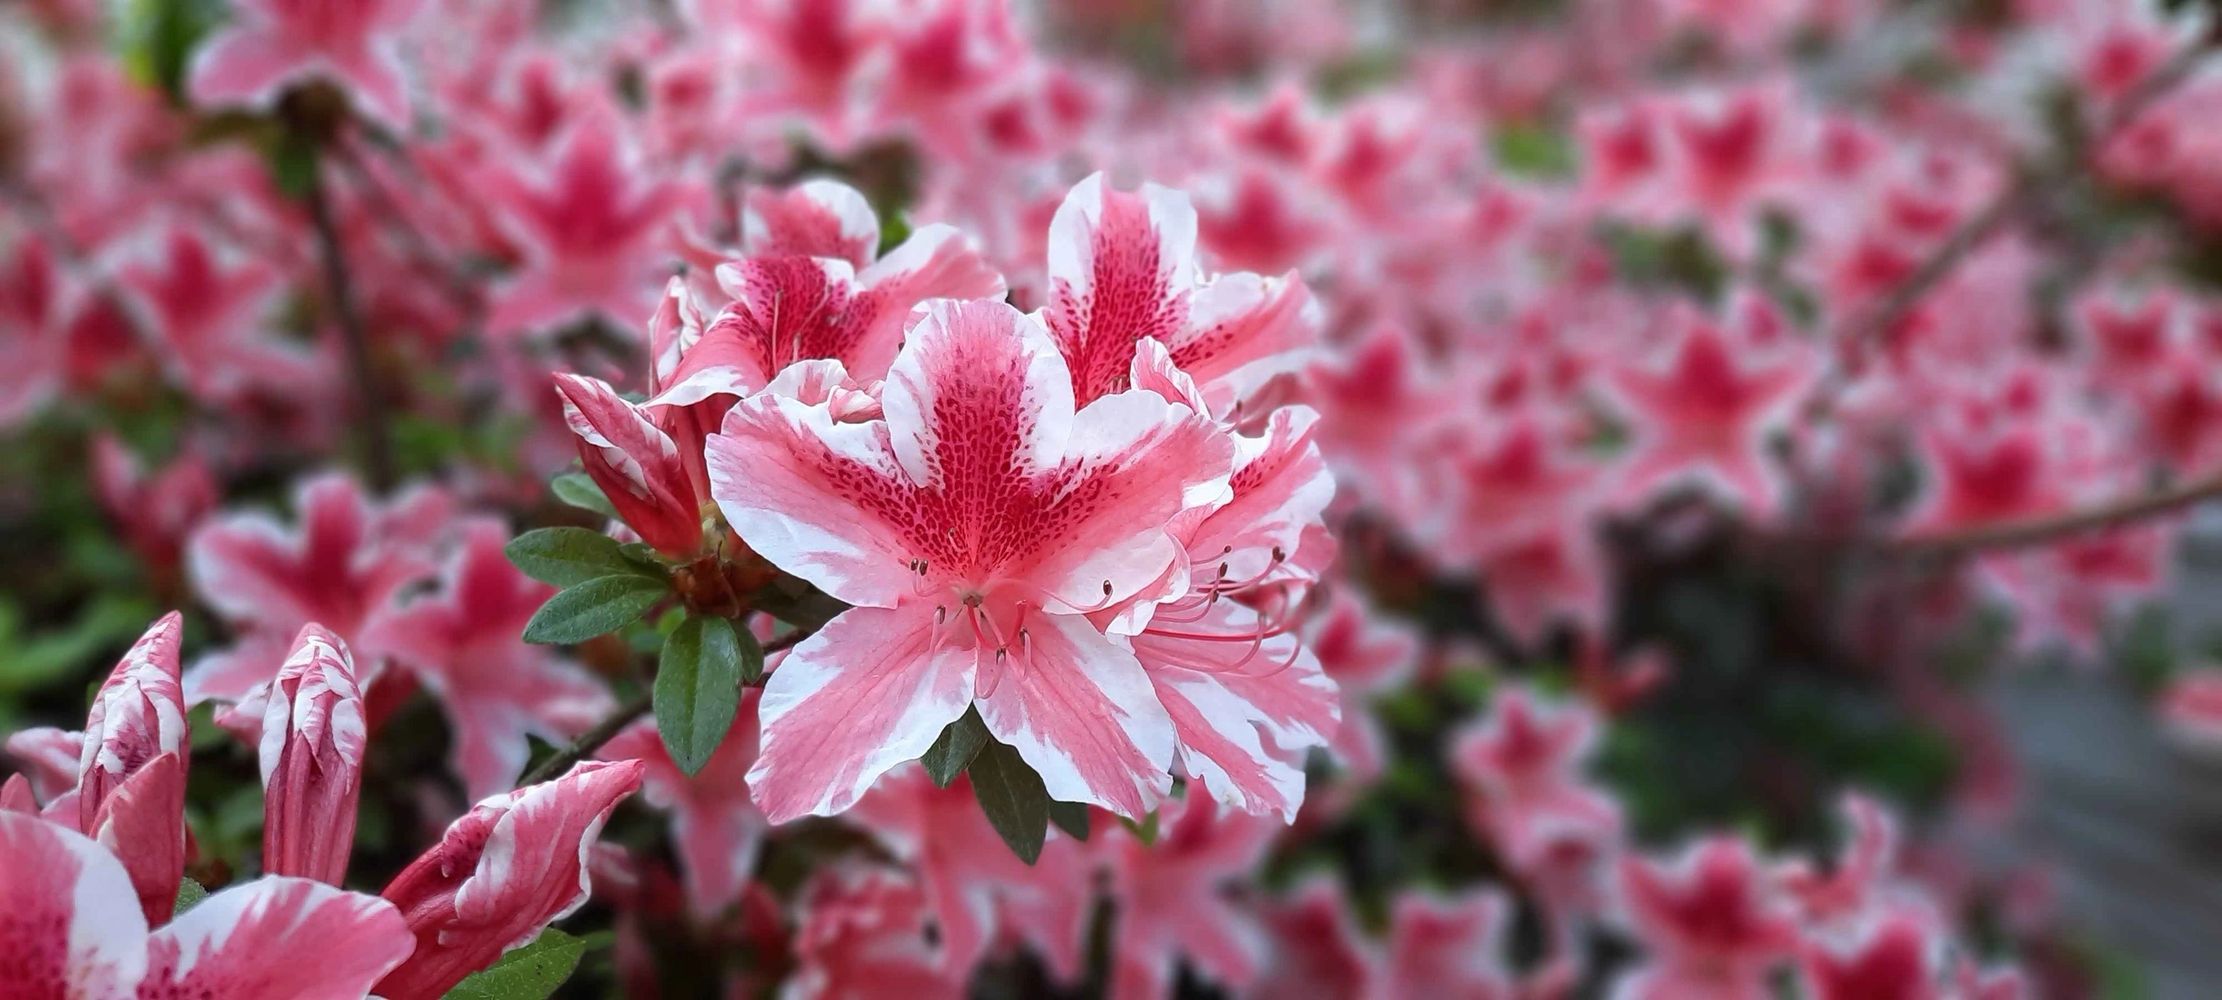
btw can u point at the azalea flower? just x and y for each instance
(980, 894)
(77, 932)
(811, 283)
(340, 567)
(310, 740)
(1247, 699)
(273, 44)
(588, 217)
(1712, 923)
(131, 772)
(1122, 270)
(463, 640)
(867, 934)
(513, 864)
(1171, 902)
(973, 528)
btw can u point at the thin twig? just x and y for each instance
(2039, 530)
(589, 741)
(370, 415)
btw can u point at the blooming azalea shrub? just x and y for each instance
(921, 498)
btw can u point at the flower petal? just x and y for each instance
(73, 926)
(1121, 267)
(1080, 710)
(246, 942)
(871, 690)
(817, 218)
(502, 873)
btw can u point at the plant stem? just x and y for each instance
(2039, 530)
(370, 416)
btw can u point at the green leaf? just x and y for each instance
(189, 895)
(954, 749)
(1071, 817)
(578, 490)
(532, 972)
(698, 689)
(598, 606)
(1013, 797)
(567, 557)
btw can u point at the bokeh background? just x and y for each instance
(1960, 558)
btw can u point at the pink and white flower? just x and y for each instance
(78, 933)
(131, 771)
(972, 529)
(1122, 270)
(274, 44)
(312, 736)
(463, 641)
(512, 865)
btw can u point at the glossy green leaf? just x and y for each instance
(567, 557)
(1013, 798)
(532, 972)
(698, 689)
(598, 606)
(954, 749)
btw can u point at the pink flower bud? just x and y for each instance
(515, 863)
(636, 465)
(312, 759)
(131, 772)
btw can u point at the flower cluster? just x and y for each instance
(1308, 498)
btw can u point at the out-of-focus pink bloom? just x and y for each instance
(340, 567)
(971, 530)
(76, 932)
(157, 511)
(511, 866)
(1364, 653)
(311, 749)
(1894, 956)
(716, 831)
(812, 56)
(273, 44)
(1707, 414)
(207, 314)
(1711, 923)
(1522, 765)
(31, 311)
(635, 463)
(1122, 269)
(1315, 951)
(463, 640)
(1520, 477)
(868, 934)
(1848, 890)
(2190, 711)
(982, 895)
(1378, 399)
(590, 223)
(1448, 947)
(813, 284)
(1171, 900)
(49, 758)
(131, 784)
